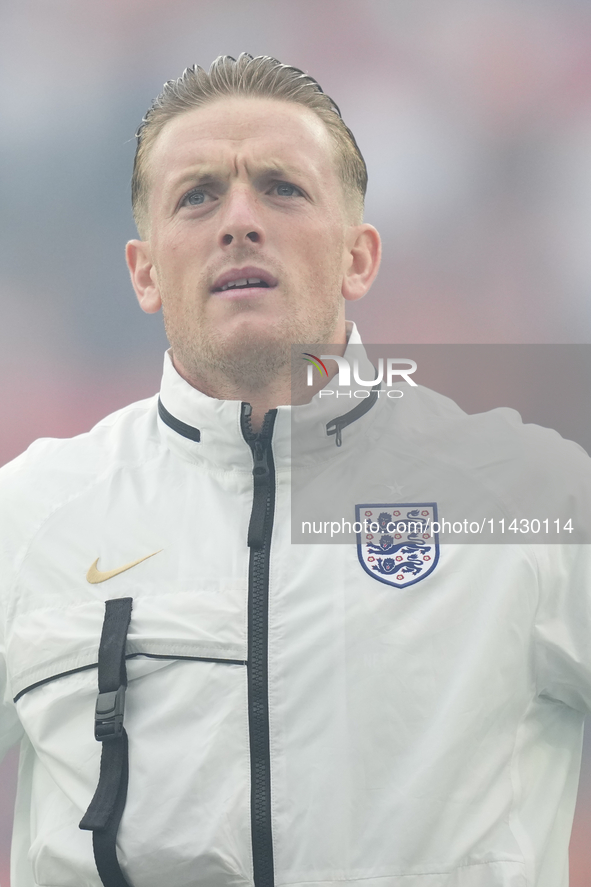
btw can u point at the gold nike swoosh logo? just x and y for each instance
(95, 576)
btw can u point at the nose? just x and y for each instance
(241, 220)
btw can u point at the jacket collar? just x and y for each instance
(202, 428)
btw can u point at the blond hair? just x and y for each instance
(263, 77)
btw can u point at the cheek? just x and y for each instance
(330, 258)
(175, 259)
(323, 252)
(172, 250)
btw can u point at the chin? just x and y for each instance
(256, 345)
(252, 333)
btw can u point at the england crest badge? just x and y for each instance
(397, 544)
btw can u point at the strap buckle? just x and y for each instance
(108, 718)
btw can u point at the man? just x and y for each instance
(294, 205)
(294, 713)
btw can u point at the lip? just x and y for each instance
(239, 274)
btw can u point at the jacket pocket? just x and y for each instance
(187, 815)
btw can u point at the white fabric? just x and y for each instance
(420, 737)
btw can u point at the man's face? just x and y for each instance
(249, 237)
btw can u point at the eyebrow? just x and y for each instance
(279, 169)
(196, 175)
(205, 172)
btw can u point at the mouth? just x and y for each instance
(239, 282)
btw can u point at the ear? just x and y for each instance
(363, 254)
(143, 275)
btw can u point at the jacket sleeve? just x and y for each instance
(10, 726)
(563, 625)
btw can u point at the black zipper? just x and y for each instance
(259, 541)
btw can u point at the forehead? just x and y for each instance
(242, 130)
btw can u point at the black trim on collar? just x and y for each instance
(177, 425)
(333, 427)
(337, 425)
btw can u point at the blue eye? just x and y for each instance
(194, 198)
(284, 189)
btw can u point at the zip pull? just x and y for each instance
(262, 473)
(260, 503)
(336, 428)
(261, 466)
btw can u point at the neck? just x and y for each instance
(286, 388)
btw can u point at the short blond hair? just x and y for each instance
(263, 77)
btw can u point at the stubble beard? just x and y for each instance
(231, 367)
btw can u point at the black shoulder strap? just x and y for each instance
(106, 808)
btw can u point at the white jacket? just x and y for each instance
(420, 735)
